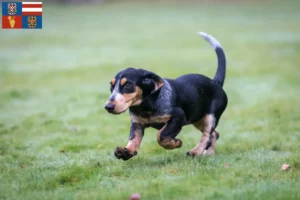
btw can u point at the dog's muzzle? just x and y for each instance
(110, 107)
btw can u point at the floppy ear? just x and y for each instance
(151, 82)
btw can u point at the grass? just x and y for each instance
(57, 141)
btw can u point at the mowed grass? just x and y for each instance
(57, 141)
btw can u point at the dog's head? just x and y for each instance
(129, 87)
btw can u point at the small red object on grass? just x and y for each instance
(285, 167)
(135, 196)
(227, 165)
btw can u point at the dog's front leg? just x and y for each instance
(135, 139)
(166, 135)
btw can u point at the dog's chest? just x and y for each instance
(151, 120)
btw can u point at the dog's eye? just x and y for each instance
(128, 85)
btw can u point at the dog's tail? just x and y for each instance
(221, 70)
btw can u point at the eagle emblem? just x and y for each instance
(31, 21)
(12, 8)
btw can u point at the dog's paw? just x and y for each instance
(178, 143)
(124, 153)
(193, 154)
(190, 154)
(209, 152)
(170, 143)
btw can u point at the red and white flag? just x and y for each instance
(32, 8)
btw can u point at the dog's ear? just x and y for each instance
(150, 82)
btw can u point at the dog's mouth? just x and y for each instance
(115, 112)
(117, 109)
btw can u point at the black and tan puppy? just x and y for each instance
(169, 104)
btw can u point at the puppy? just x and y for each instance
(169, 104)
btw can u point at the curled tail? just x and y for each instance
(221, 70)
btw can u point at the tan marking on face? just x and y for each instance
(168, 143)
(134, 144)
(158, 119)
(205, 125)
(123, 81)
(113, 81)
(135, 97)
(123, 101)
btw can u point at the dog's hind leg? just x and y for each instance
(210, 150)
(207, 126)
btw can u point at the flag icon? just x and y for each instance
(22, 15)
(11, 8)
(11, 22)
(32, 8)
(31, 22)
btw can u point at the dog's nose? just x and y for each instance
(109, 107)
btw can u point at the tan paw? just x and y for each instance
(170, 143)
(124, 153)
(194, 153)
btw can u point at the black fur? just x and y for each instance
(187, 99)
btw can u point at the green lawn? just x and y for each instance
(57, 141)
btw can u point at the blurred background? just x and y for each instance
(54, 83)
(84, 43)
